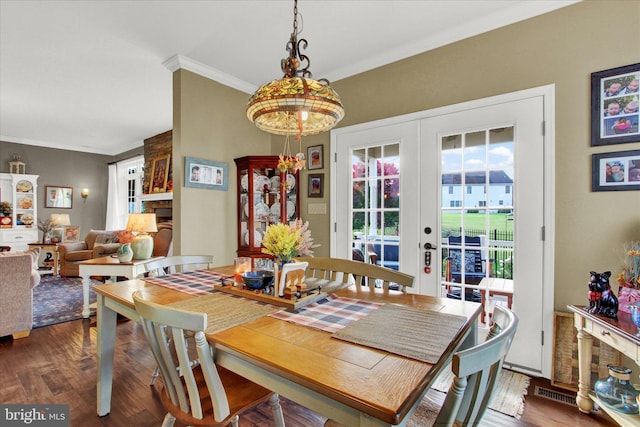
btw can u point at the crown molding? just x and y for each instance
(177, 62)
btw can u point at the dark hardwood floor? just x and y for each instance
(57, 364)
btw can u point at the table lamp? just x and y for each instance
(60, 220)
(141, 224)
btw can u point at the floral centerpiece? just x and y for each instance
(629, 278)
(288, 241)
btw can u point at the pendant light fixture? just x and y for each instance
(296, 104)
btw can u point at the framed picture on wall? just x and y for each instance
(159, 174)
(315, 158)
(201, 173)
(614, 105)
(58, 197)
(616, 171)
(316, 185)
(70, 234)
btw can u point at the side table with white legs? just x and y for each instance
(108, 266)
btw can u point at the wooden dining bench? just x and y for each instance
(336, 273)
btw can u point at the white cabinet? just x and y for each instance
(18, 210)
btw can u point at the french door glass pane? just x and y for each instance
(476, 209)
(375, 206)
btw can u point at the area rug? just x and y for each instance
(509, 395)
(58, 300)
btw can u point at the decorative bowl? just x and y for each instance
(257, 279)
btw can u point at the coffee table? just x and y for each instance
(108, 266)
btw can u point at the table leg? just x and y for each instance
(585, 342)
(106, 337)
(55, 261)
(86, 284)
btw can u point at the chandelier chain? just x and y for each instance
(292, 66)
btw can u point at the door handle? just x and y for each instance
(429, 246)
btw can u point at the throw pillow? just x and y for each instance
(106, 238)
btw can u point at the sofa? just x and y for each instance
(96, 243)
(18, 277)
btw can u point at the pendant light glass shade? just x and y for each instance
(274, 107)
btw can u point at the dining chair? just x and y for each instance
(178, 264)
(335, 273)
(286, 269)
(476, 373)
(175, 264)
(196, 391)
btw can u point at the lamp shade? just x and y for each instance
(60, 219)
(142, 223)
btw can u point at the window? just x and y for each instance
(469, 189)
(451, 189)
(124, 189)
(507, 189)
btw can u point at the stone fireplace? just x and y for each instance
(159, 203)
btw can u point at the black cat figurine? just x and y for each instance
(601, 299)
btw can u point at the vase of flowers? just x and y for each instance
(125, 253)
(629, 278)
(286, 242)
(45, 227)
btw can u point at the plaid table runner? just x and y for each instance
(330, 314)
(198, 282)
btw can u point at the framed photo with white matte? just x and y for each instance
(614, 105)
(616, 171)
(315, 158)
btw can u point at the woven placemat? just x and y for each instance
(225, 311)
(418, 334)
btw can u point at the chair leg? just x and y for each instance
(276, 410)
(154, 375)
(234, 421)
(169, 420)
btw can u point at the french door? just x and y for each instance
(453, 196)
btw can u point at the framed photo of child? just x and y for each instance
(614, 105)
(616, 171)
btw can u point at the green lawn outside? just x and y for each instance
(476, 221)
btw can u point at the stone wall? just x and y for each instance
(154, 147)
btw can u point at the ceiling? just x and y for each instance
(95, 76)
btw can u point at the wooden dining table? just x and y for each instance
(352, 384)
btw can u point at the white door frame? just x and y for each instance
(548, 94)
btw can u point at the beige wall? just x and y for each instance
(209, 123)
(562, 48)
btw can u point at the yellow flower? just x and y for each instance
(286, 242)
(281, 241)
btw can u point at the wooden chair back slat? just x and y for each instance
(348, 272)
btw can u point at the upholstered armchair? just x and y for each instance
(18, 277)
(163, 240)
(97, 243)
